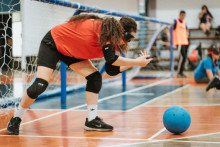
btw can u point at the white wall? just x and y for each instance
(168, 10)
(125, 6)
(38, 18)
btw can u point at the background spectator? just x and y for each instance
(164, 39)
(205, 20)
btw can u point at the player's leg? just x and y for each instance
(179, 74)
(184, 52)
(208, 25)
(203, 80)
(202, 26)
(47, 60)
(93, 86)
(182, 60)
(38, 87)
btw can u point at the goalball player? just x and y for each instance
(82, 38)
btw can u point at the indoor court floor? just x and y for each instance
(135, 112)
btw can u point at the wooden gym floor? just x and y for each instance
(135, 112)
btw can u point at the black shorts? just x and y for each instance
(48, 55)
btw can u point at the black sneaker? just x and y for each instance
(181, 75)
(13, 126)
(97, 124)
(214, 82)
(207, 33)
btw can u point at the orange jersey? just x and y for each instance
(180, 34)
(78, 40)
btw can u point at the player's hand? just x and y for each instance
(209, 17)
(143, 59)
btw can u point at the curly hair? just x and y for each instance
(128, 24)
(111, 29)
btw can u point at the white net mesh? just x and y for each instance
(19, 70)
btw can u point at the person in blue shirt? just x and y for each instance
(208, 69)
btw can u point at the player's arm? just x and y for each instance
(218, 73)
(208, 68)
(115, 60)
(209, 73)
(164, 43)
(174, 24)
(187, 30)
(144, 53)
(200, 15)
(115, 64)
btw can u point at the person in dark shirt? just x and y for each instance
(165, 37)
(164, 40)
(205, 20)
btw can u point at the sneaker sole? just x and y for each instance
(94, 129)
(11, 132)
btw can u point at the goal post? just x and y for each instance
(84, 8)
(39, 16)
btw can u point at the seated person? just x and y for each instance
(209, 67)
(165, 37)
(164, 40)
(205, 20)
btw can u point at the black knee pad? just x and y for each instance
(38, 87)
(94, 82)
(111, 69)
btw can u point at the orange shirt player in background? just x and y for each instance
(82, 38)
(180, 40)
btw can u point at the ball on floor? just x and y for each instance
(176, 119)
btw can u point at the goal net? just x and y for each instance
(25, 22)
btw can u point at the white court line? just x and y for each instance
(166, 140)
(46, 109)
(156, 134)
(162, 130)
(190, 105)
(100, 110)
(193, 141)
(163, 140)
(156, 98)
(140, 94)
(103, 99)
(72, 137)
(202, 135)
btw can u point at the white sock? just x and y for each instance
(20, 112)
(92, 112)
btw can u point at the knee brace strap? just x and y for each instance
(38, 87)
(94, 82)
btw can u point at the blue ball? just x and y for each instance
(176, 119)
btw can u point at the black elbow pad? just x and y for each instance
(111, 69)
(109, 53)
